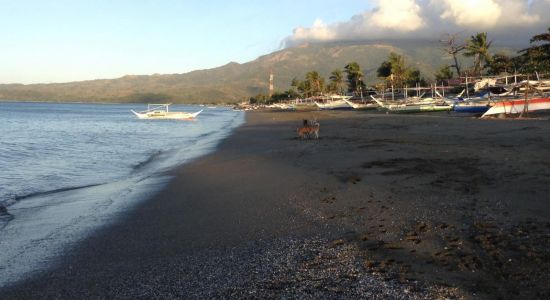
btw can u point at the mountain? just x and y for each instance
(235, 82)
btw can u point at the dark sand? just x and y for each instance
(387, 206)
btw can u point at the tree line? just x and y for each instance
(535, 58)
(341, 82)
(397, 73)
(347, 81)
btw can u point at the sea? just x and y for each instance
(68, 169)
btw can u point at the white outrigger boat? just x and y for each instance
(161, 111)
(282, 106)
(334, 102)
(362, 105)
(420, 105)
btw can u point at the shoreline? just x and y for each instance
(38, 227)
(380, 205)
(107, 103)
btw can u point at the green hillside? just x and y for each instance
(234, 82)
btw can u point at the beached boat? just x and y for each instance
(474, 105)
(519, 106)
(282, 106)
(425, 105)
(333, 102)
(471, 107)
(362, 105)
(414, 108)
(161, 112)
(336, 104)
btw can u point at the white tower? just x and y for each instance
(271, 83)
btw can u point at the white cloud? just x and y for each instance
(319, 31)
(400, 15)
(483, 13)
(395, 19)
(488, 14)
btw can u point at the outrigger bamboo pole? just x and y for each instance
(392, 95)
(467, 89)
(526, 103)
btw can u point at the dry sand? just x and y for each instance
(381, 206)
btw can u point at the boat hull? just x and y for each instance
(474, 109)
(337, 104)
(418, 108)
(154, 115)
(413, 108)
(516, 107)
(282, 106)
(430, 108)
(362, 106)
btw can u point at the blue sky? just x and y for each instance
(44, 41)
(60, 41)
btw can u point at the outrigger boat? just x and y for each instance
(334, 102)
(362, 105)
(424, 105)
(535, 104)
(517, 107)
(472, 107)
(161, 111)
(282, 106)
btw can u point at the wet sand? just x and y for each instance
(394, 206)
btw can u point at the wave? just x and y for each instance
(206, 134)
(153, 157)
(158, 160)
(5, 217)
(43, 193)
(169, 157)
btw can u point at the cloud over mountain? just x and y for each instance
(419, 19)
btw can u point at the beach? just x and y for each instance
(387, 206)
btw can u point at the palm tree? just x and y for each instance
(298, 85)
(337, 81)
(444, 73)
(478, 48)
(355, 77)
(540, 54)
(399, 68)
(316, 82)
(543, 37)
(295, 82)
(500, 63)
(537, 57)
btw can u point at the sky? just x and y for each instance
(62, 41)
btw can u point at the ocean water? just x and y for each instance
(68, 169)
